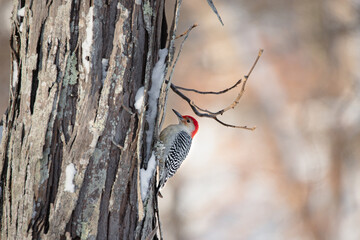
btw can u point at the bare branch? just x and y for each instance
(237, 99)
(209, 92)
(158, 213)
(171, 47)
(234, 126)
(173, 29)
(195, 110)
(152, 234)
(165, 86)
(206, 113)
(227, 89)
(180, 49)
(211, 4)
(187, 31)
(256, 60)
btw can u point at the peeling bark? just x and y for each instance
(64, 109)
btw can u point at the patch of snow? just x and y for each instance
(145, 176)
(21, 27)
(87, 43)
(138, 2)
(15, 73)
(157, 79)
(21, 12)
(105, 64)
(70, 174)
(139, 98)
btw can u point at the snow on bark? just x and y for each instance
(145, 176)
(15, 73)
(139, 99)
(21, 12)
(69, 178)
(157, 78)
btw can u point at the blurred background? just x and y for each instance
(297, 176)
(5, 14)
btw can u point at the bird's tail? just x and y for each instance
(160, 186)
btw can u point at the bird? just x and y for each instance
(176, 140)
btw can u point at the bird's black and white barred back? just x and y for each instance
(176, 141)
(177, 154)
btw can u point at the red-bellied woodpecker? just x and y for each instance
(177, 140)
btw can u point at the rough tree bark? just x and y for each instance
(76, 67)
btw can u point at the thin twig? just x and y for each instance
(209, 92)
(172, 32)
(171, 47)
(211, 4)
(195, 110)
(158, 213)
(117, 145)
(236, 101)
(206, 113)
(178, 54)
(257, 59)
(152, 234)
(168, 82)
(186, 32)
(127, 109)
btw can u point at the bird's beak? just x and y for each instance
(178, 115)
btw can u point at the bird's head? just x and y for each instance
(189, 122)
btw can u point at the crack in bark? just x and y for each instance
(74, 26)
(35, 72)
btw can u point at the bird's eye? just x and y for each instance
(188, 120)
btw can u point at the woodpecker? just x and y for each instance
(177, 140)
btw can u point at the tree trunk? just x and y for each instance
(76, 67)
